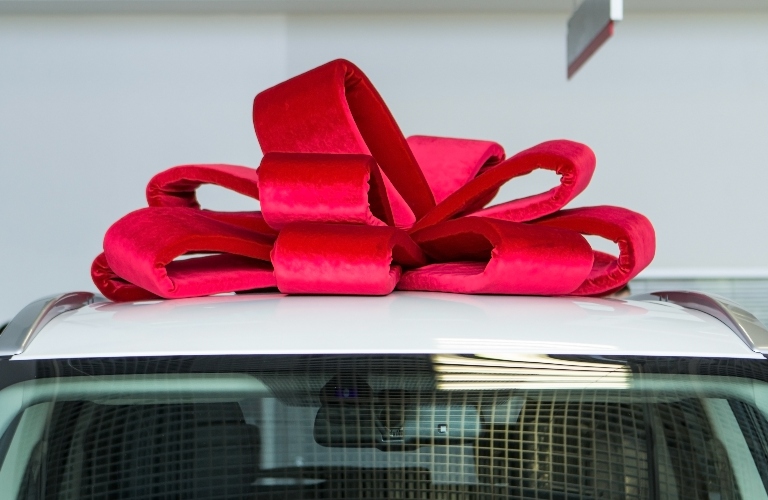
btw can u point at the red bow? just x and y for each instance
(349, 206)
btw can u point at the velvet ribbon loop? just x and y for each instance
(342, 258)
(574, 162)
(349, 206)
(334, 108)
(113, 286)
(177, 186)
(481, 255)
(143, 248)
(631, 231)
(448, 164)
(300, 187)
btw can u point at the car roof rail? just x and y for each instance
(735, 317)
(18, 334)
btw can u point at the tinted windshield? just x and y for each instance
(443, 426)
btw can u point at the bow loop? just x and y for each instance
(177, 186)
(115, 287)
(573, 161)
(349, 206)
(335, 109)
(342, 258)
(480, 255)
(448, 164)
(302, 187)
(143, 248)
(631, 231)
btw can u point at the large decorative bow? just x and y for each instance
(350, 206)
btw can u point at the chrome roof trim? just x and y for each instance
(29, 321)
(735, 317)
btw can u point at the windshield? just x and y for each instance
(420, 426)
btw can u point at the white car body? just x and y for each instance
(400, 323)
(475, 396)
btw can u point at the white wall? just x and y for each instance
(675, 106)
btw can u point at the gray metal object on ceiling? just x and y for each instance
(590, 26)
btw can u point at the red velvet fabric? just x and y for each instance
(299, 187)
(177, 186)
(574, 162)
(349, 206)
(448, 164)
(342, 258)
(143, 246)
(632, 232)
(113, 286)
(334, 108)
(480, 255)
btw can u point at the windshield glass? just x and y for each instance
(440, 426)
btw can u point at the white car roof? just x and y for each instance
(403, 322)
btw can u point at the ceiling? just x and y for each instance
(48, 7)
